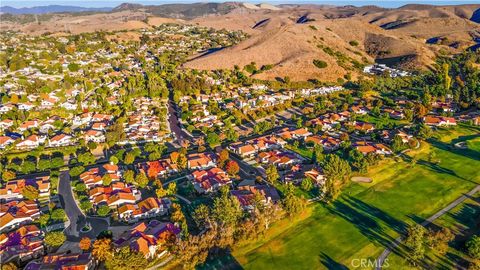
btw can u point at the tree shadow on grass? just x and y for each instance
(330, 263)
(367, 220)
(475, 155)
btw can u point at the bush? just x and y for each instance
(354, 43)
(320, 63)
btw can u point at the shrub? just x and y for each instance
(353, 43)
(320, 63)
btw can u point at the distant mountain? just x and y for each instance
(50, 9)
(184, 11)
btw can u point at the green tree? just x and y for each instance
(213, 139)
(129, 176)
(125, 258)
(30, 192)
(415, 243)
(141, 179)
(76, 171)
(59, 215)
(55, 238)
(106, 179)
(272, 174)
(292, 204)
(129, 158)
(307, 184)
(473, 247)
(103, 211)
(226, 209)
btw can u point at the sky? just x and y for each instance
(113, 3)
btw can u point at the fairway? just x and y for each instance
(368, 216)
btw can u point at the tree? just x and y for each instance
(106, 179)
(129, 176)
(272, 174)
(425, 132)
(161, 192)
(473, 247)
(76, 171)
(438, 240)
(319, 63)
(292, 204)
(172, 189)
(307, 184)
(102, 249)
(201, 216)
(103, 210)
(336, 171)
(59, 215)
(213, 139)
(55, 238)
(125, 258)
(30, 192)
(43, 220)
(318, 155)
(129, 158)
(114, 160)
(86, 158)
(141, 179)
(85, 243)
(397, 144)
(223, 158)
(8, 175)
(226, 209)
(86, 205)
(232, 168)
(9, 266)
(415, 243)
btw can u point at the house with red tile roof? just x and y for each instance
(60, 140)
(370, 147)
(12, 190)
(439, 121)
(5, 141)
(92, 135)
(201, 161)
(148, 239)
(70, 261)
(209, 180)
(16, 213)
(148, 208)
(22, 245)
(247, 195)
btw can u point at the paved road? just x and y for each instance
(77, 219)
(381, 259)
(175, 125)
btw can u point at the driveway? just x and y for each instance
(77, 219)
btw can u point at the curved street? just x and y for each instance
(77, 219)
(381, 259)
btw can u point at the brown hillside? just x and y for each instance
(396, 36)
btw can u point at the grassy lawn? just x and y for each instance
(368, 216)
(462, 221)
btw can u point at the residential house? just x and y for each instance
(247, 195)
(67, 261)
(23, 244)
(209, 180)
(148, 239)
(201, 161)
(60, 140)
(16, 213)
(439, 121)
(148, 208)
